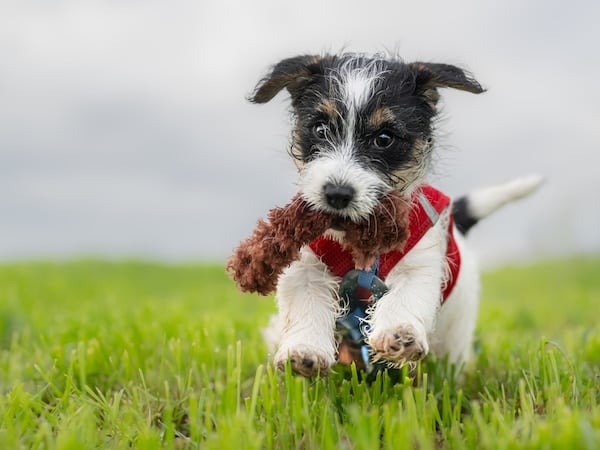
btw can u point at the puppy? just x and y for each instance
(364, 127)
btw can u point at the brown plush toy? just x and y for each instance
(259, 260)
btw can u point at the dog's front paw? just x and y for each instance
(305, 360)
(399, 346)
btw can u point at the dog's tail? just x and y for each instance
(473, 207)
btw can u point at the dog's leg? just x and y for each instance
(403, 318)
(455, 324)
(308, 306)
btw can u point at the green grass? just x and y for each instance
(137, 355)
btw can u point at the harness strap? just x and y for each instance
(428, 205)
(366, 277)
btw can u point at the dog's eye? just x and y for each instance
(383, 140)
(320, 130)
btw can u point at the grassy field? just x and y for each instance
(127, 355)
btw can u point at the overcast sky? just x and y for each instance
(124, 129)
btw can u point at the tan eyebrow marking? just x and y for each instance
(329, 108)
(380, 117)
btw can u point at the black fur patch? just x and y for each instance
(463, 219)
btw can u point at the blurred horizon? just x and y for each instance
(124, 129)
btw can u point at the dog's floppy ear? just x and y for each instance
(432, 75)
(291, 73)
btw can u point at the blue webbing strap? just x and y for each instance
(365, 277)
(353, 321)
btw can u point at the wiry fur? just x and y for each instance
(363, 131)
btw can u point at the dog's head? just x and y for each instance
(363, 125)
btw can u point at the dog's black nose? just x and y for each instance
(337, 196)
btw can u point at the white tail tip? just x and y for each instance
(487, 200)
(522, 187)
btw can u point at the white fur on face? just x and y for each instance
(337, 162)
(354, 85)
(340, 168)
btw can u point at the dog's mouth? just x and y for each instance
(351, 215)
(343, 223)
(339, 223)
(346, 204)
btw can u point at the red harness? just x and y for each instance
(428, 204)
